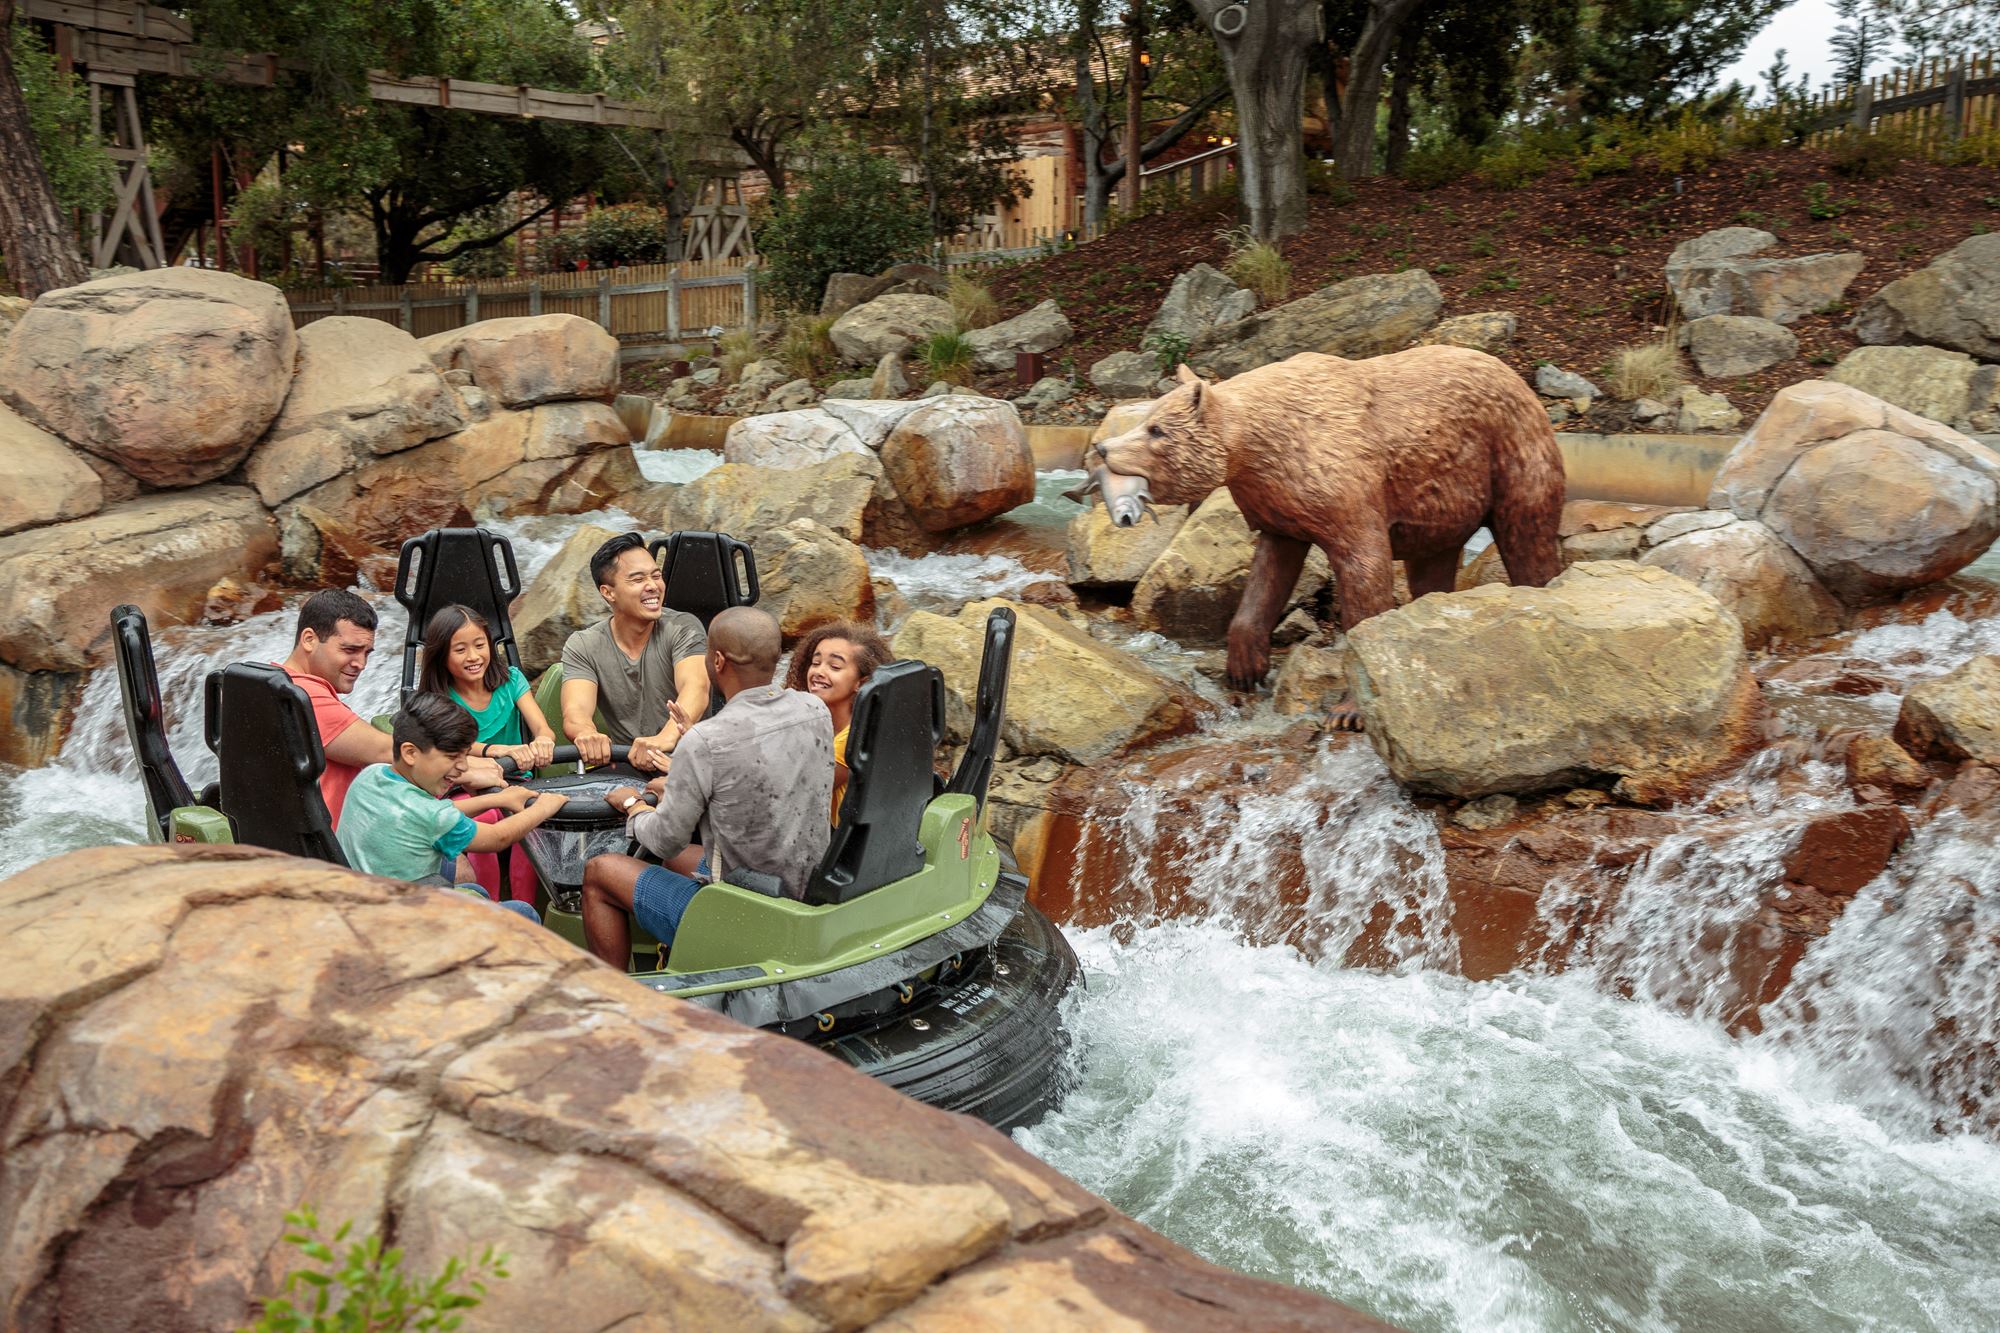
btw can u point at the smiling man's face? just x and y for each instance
(637, 589)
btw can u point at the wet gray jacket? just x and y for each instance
(759, 777)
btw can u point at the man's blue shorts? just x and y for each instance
(660, 899)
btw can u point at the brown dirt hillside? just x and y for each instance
(1580, 265)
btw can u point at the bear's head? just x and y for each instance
(1178, 448)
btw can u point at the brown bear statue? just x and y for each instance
(1397, 457)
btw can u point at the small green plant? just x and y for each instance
(1322, 180)
(1650, 370)
(1823, 358)
(1257, 265)
(1991, 200)
(1545, 298)
(735, 350)
(375, 1295)
(972, 306)
(1168, 349)
(947, 357)
(1860, 155)
(1759, 177)
(806, 346)
(1442, 163)
(1512, 164)
(1980, 229)
(1482, 245)
(1444, 270)
(1688, 144)
(1821, 205)
(1979, 149)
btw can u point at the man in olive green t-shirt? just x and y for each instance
(633, 663)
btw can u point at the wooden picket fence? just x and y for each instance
(1933, 104)
(640, 305)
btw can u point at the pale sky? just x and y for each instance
(1803, 29)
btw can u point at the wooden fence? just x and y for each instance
(1933, 104)
(640, 305)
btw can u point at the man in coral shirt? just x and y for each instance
(335, 636)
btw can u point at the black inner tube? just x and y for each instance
(587, 810)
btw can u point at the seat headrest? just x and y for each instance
(706, 573)
(891, 742)
(146, 718)
(466, 566)
(260, 726)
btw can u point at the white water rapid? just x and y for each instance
(1585, 1150)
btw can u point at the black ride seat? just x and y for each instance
(260, 726)
(146, 718)
(707, 572)
(468, 566)
(898, 722)
(996, 661)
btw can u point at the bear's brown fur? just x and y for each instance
(1398, 457)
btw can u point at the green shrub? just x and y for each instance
(374, 1293)
(1257, 265)
(1324, 181)
(1168, 349)
(1980, 149)
(972, 305)
(947, 357)
(806, 346)
(1511, 164)
(1688, 144)
(1603, 159)
(80, 168)
(1863, 156)
(852, 215)
(1431, 165)
(1821, 205)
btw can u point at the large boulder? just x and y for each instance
(171, 374)
(1723, 278)
(1726, 346)
(1105, 557)
(889, 325)
(558, 601)
(1040, 329)
(1488, 331)
(1587, 530)
(450, 1070)
(1613, 670)
(1875, 499)
(58, 584)
(532, 358)
(844, 291)
(743, 500)
(36, 709)
(957, 460)
(364, 388)
(1190, 592)
(809, 575)
(1945, 386)
(11, 310)
(1071, 696)
(790, 439)
(558, 458)
(1125, 374)
(1361, 317)
(42, 480)
(1954, 716)
(1201, 299)
(1952, 302)
(1761, 581)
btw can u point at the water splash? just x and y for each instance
(676, 467)
(944, 583)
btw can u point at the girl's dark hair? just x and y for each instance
(446, 622)
(871, 650)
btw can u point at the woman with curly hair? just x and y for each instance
(833, 662)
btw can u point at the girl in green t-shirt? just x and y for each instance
(462, 663)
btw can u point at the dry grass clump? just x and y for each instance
(735, 350)
(806, 346)
(1257, 265)
(972, 306)
(1650, 370)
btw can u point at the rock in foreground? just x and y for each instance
(230, 1032)
(1614, 670)
(1956, 716)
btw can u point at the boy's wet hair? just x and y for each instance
(434, 722)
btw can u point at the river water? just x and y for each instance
(1534, 1152)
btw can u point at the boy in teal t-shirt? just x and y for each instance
(396, 823)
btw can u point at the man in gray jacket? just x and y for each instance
(758, 775)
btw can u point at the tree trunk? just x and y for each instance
(41, 252)
(1090, 121)
(1400, 86)
(1266, 63)
(1354, 146)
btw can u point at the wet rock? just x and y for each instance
(1588, 530)
(58, 584)
(171, 374)
(1948, 387)
(790, 439)
(1191, 591)
(1952, 302)
(1488, 331)
(1103, 556)
(1781, 290)
(42, 480)
(36, 709)
(531, 359)
(1310, 681)
(889, 326)
(1954, 716)
(558, 601)
(1200, 299)
(809, 575)
(743, 500)
(1361, 317)
(1875, 499)
(1725, 346)
(1488, 812)
(1554, 382)
(1878, 762)
(483, 1083)
(1126, 374)
(888, 381)
(1701, 411)
(1839, 853)
(1614, 669)
(960, 460)
(1071, 696)
(1763, 583)
(1040, 329)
